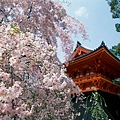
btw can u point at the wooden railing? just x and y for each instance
(98, 82)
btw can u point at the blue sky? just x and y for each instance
(96, 16)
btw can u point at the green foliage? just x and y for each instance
(119, 95)
(12, 25)
(117, 25)
(116, 81)
(115, 10)
(15, 30)
(116, 50)
(95, 108)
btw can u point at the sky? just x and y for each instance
(96, 16)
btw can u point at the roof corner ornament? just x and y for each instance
(102, 44)
(78, 43)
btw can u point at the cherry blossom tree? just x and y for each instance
(33, 83)
(45, 18)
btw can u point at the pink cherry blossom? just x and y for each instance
(33, 82)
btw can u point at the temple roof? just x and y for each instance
(79, 51)
(94, 70)
(79, 48)
(101, 56)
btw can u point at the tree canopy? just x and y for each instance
(45, 18)
(115, 10)
(33, 83)
(116, 50)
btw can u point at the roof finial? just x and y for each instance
(102, 43)
(78, 43)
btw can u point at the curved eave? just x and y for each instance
(79, 47)
(94, 53)
(101, 53)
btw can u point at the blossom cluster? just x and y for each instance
(46, 18)
(9, 95)
(33, 82)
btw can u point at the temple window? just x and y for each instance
(81, 75)
(91, 73)
(87, 74)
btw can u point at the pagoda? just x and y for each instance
(96, 70)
